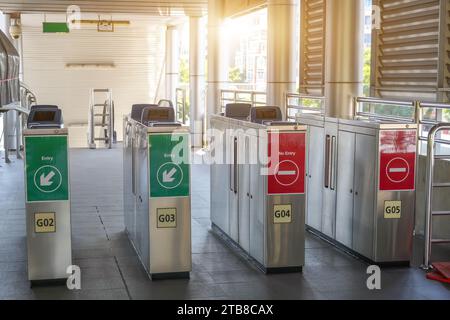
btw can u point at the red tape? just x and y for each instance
(6, 80)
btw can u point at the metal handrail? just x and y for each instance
(27, 97)
(302, 109)
(236, 99)
(22, 108)
(181, 104)
(358, 101)
(431, 158)
(421, 106)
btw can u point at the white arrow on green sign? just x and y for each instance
(46, 168)
(169, 177)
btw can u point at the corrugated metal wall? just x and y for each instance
(137, 52)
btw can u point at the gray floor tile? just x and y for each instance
(110, 266)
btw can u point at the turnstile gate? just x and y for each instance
(361, 185)
(258, 190)
(47, 186)
(157, 201)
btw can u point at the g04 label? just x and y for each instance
(166, 218)
(392, 209)
(282, 214)
(45, 222)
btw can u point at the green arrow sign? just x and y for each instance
(46, 168)
(169, 165)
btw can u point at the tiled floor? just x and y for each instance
(110, 269)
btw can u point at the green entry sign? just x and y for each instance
(169, 156)
(55, 27)
(46, 168)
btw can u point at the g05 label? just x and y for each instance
(166, 218)
(45, 222)
(392, 209)
(282, 214)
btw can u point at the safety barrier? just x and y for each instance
(27, 100)
(365, 107)
(255, 98)
(298, 103)
(425, 124)
(361, 103)
(430, 185)
(416, 114)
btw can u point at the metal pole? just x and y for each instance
(172, 62)
(429, 195)
(92, 124)
(429, 191)
(18, 134)
(196, 80)
(5, 136)
(184, 106)
(217, 73)
(111, 120)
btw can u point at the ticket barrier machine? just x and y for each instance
(258, 187)
(157, 203)
(47, 187)
(361, 186)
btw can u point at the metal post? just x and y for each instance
(196, 80)
(217, 73)
(429, 191)
(172, 62)
(18, 134)
(5, 137)
(184, 107)
(429, 194)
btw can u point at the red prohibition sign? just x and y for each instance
(287, 173)
(397, 170)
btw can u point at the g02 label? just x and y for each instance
(45, 222)
(392, 209)
(282, 214)
(166, 218)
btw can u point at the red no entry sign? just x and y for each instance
(287, 159)
(398, 160)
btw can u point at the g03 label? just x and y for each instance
(166, 218)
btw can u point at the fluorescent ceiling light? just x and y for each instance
(91, 66)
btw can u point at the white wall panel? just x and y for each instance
(137, 52)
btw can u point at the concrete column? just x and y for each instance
(344, 55)
(281, 51)
(196, 80)
(217, 73)
(172, 62)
